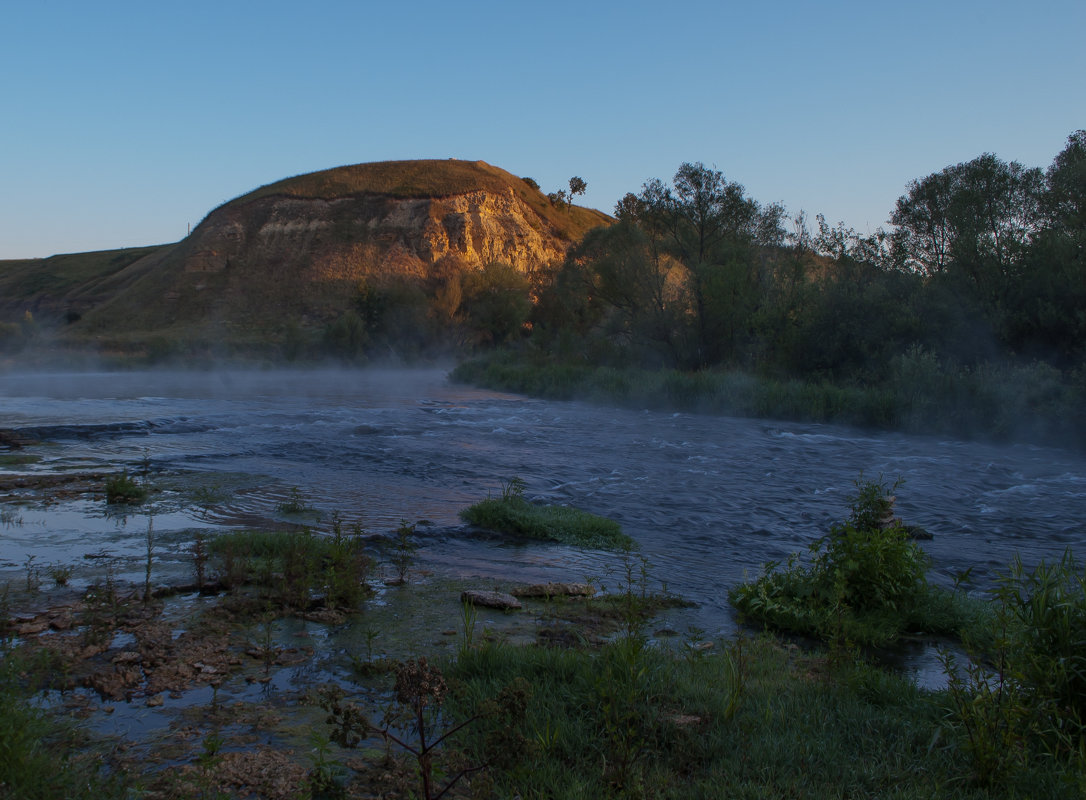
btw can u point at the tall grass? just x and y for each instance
(631, 721)
(43, 757)
(1001, 402)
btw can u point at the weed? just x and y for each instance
(403, 553)
(124, 490)
(469, 615)
(414, 722)
(1023, 694)
(10, 518)
(199, 560)
(150, 554)
(512, 513)
(60, 574)
(346, 566)
(295, 504)
(43, 757)
(33, 574)
(296, 568)
(325, 774)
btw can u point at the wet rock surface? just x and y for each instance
(491, 599)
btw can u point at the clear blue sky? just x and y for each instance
(124, 122)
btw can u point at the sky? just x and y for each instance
(124, 123)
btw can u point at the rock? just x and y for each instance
(555, 590)
(494, 599)
(62, 621)
(157, 700)
(916, 533)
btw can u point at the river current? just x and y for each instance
(708, 499)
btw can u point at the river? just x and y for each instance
(708, 499)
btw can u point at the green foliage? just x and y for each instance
(1020, 699)
(347, 337)
(633, 721)
(295, 504)
(42, 757)
(123, 489)
(495, 302)
(513, 514)
(865, 583)
(403, 551)
(295, 568)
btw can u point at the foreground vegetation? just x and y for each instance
(604, 703)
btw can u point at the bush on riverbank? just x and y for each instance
(922, 395)
(864, 585)
(753, 719)
(1022, 694)
(512, 513)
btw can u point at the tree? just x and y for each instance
(710, 226)
(972, 221)
(1065, 189)
(495, 302)
(576, 186)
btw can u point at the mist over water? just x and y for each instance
(707, 498)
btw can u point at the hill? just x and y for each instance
(293, 255)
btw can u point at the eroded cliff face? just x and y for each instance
(376, 236)
(257, 263)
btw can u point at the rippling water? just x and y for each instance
(707, 498)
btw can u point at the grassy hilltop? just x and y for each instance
(271, 270)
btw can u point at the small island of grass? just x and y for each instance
(511, 513)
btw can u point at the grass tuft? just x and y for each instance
(512, 513)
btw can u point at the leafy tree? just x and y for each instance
(576, 186)
(1064, 200)
(711, 227)
(974, 220)
(495, 302)
(615, 266)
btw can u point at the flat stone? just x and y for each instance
(500, 600)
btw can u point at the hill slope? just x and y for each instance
(296, 251)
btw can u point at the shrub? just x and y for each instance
(865, 583)
(122, 489)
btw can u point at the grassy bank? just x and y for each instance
(755, 718)
(1032, 403)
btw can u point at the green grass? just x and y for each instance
(123, 489)
(41, 756)
(295, 569)
(572, 526)
(1029, 403)
(753, 719)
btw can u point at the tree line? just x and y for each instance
(983, 262)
